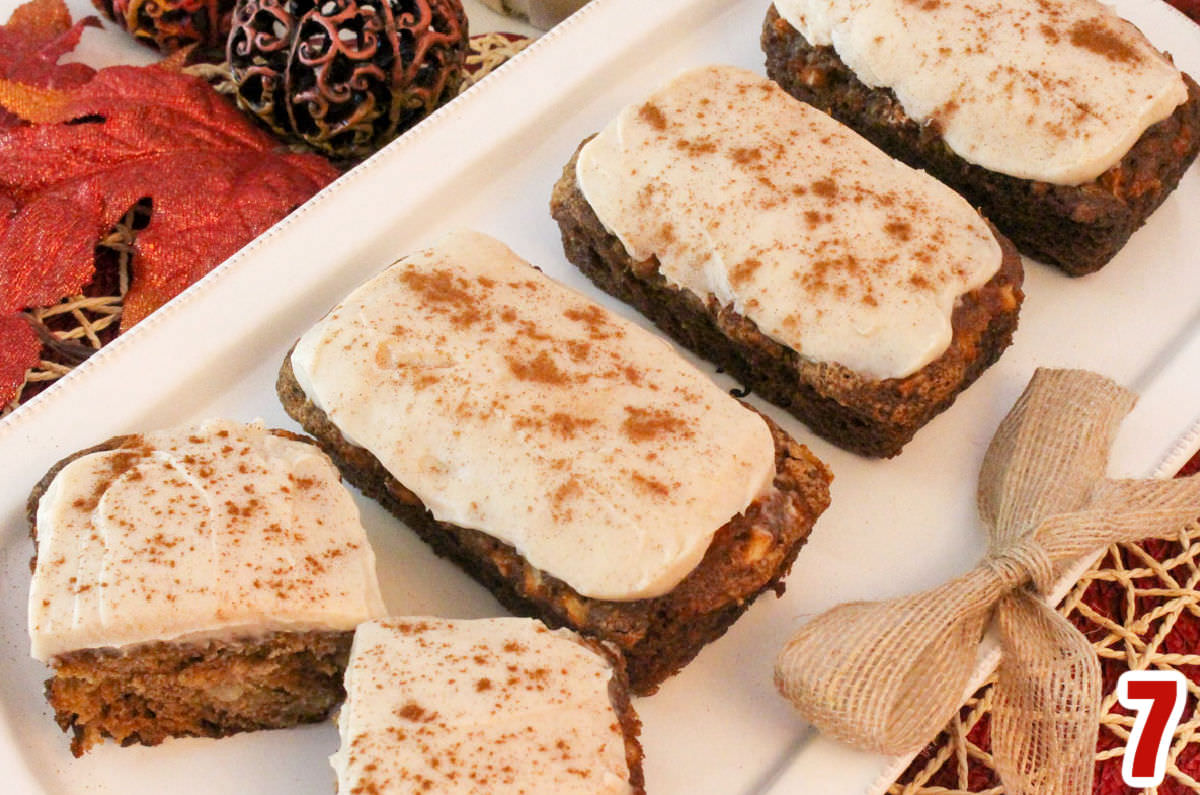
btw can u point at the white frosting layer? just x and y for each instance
(219, 529)
(1051, 90)
(745, 194)
(512, 405)
(487, 706)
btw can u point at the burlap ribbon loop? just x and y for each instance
(888, 676)
(1024, 562)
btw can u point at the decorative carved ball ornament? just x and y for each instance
(168, 25)
(346, 76)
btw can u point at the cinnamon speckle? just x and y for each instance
(541, 369)
(901, 230)
(1094, 36)
(825, 188)
(653, 115)
(649, 424)
(742, 273)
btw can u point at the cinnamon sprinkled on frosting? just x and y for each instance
(486, 706)
(1095, 36)
(1050, 90)
(547, 422)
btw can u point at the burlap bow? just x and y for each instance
(888, 676)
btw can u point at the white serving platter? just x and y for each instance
(488, 161)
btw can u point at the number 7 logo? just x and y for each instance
(1158, 698)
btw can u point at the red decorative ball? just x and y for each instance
(168, 25)
(346, 76)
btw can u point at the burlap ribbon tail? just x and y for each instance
(888, 676)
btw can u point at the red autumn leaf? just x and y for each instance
(20, 349)
(215, 182)
(36, 35)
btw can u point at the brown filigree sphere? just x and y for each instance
(346, 76)
(168, 25)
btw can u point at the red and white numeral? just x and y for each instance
(1158, 698)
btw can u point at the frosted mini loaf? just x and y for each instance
(721, 192)
(1049, 90)
(511, 405)
(168, 558)
(795, 221)
(562, 454)
(1056, 117)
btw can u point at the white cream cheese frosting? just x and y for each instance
(214, 530)
(1050, 90)
(828, 245)
(486, 706)
(515, 406)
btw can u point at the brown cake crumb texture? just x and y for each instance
(212, 688)
(160, 690)
(752, 553)
(1079, 228)
(866, 416)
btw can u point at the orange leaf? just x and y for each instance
(36, 35)
(39, 21)
(215, 182)
(32, 104)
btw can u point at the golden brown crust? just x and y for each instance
(750, 554)
(1079, 228)
(873, 418)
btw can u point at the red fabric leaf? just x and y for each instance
(20, 349)
(215, 181)
(36, 35)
